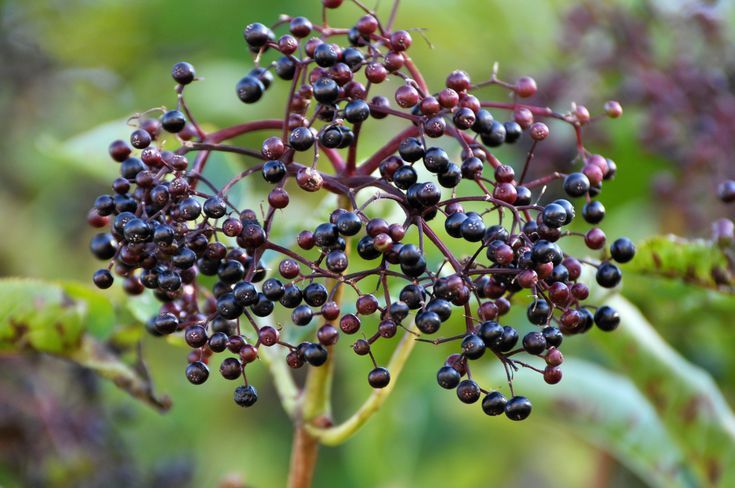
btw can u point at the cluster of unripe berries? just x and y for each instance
(172, 232)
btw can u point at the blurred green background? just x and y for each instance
(72, 71)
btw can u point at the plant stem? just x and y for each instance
(333, 436)
(315, 404)
(304, 451)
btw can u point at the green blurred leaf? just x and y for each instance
(82, 152)
(608, 411)
(698, 262)
(100, 317)
(688, 402)
(39, 316)
(65, 320)
(143, 307)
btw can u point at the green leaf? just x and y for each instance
(688, 402)
(39, 316)
(87, 152)
(144, 306)
(66, 320)
(608, 411)
(101, 320)
(699, 262)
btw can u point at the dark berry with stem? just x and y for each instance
(473, 346)
(468, 391)
(300, 27)
(513, 131)
(246, 396)
(593, 212)
(195, 336)
(494, 403)
(608, 275)
(301, 138)
(607, 318)
(218, 342)
(183, 73)
(436, 160)
(534, 342)
(102, 278)
(103, 246)
(552, 336)
(518, 408)
(495, 136)
(539, 312)
(197, 373)
(552, 375)
(622, 250)
(249, 89)
(173, 121)
(428, 322)
(379, 377)
(274, 171)
(491, 333)
(576, 184)
(256, 34)
(230, 368)
(448, 377)
(411, 149)
(263, 75)
(325, 55)
(473, 228)
(404, 177)
(348, 224)
(315, 354)
(356, 111)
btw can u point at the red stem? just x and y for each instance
(374, 161)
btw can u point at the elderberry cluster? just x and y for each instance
(224, 276)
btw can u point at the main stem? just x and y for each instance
(314, 406)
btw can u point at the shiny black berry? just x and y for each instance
(593, 212)
(356, 111)
(494, 403)
(468, 391)
(249, 89)
(576, 184)
(301, 138)
(448, 377)
(608, 275)
(173, 121)
(183, 73)
(102, 278)
(411, 149)
(622, 250)
(534, 342)
(197, 373)
(518, 408)
(379, 378)
(274, 171)
(473, 346)
(315, 354)
(607, 318)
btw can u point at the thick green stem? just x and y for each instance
(340, 433)
(314, 406)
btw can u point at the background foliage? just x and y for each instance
(73, 70)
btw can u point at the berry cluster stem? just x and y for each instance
(338, 434)
(315, 406)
